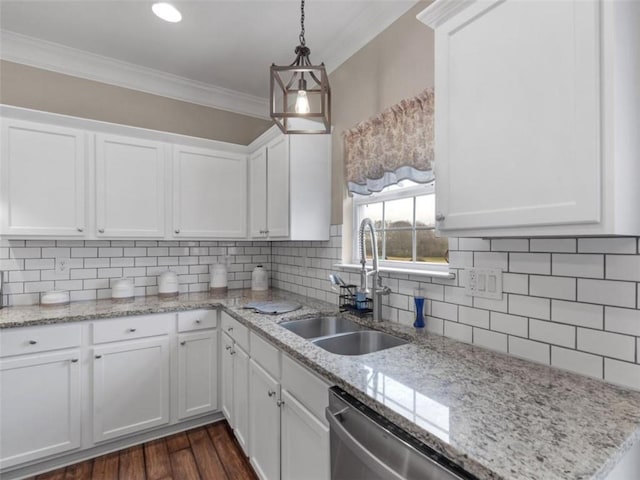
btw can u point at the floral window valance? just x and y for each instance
(395, 145)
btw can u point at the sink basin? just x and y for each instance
(320, 326)
(359, 343)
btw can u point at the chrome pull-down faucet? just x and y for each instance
(377, 289)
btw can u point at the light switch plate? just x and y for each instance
(484, 282)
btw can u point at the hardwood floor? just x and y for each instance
(204, 453)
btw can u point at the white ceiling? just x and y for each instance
(226, 44)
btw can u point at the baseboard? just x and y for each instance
(47, 465)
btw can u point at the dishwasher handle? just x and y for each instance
(357, 448)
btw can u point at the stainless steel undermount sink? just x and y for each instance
(359, 343)
(319, 327)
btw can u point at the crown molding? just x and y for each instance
(79, 63)
(442, 10)
(368, 25)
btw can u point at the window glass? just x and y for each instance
(398, 213)
(399, 245)
(374, 212)
(430, 248)
(426, 211)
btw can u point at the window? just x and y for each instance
(404, 217)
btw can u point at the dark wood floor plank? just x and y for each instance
(235, 463)
(205, 455)
(184, 465)
(156, 459)
(79, 471)
(132, 463)
(177, 442)
(54, 475)
(106, 467)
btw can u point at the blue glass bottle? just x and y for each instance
(418, 298)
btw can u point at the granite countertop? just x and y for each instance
(497, 416)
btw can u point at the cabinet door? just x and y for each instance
(518, 115)
(130, 186)
(241, 397)
(258, 193)
(264, 417)
(43, 179)
(226, 372)
(40, 414)
(197, 373)
(209, 193)
(278, 187)
(305, 443)
(130, 388)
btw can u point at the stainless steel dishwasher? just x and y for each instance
(366, 446)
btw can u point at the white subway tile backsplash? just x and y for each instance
(511, 324)
(447, 311)
(578, 362)
(608, 245)
(84, 252)
(457, 295)
(110, 252)
(515, 283)
(530, 306)
(623, 267)
(474, 317)
(572, 265)
(622, 320)
(530, 263)
(552, 287)
(579, 314)
(568, 245)
(622, 373)
(490, 339)
(607, 292)
(534, 351)
(475, 244)
(25, 252)
(464, 333)
(552, 333)
(510, 245)
(491, 260)
(607, 344)
(501, 305)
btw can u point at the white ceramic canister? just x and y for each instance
(122, 289)
(218, 281)
(168, 284)
(259, 279)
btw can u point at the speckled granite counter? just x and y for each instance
(497, 416)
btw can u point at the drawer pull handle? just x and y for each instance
(32, 342)
(228, 347)
(230, 329)
(280, 403)
(80, 229)
(132, 330)
(183, 343)
(198, 322)
(177, 231)
(271, 393)
(101, 230)
(74, 360)
(232, 352)
(98, 356)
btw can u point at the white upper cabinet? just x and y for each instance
(209, 193)
(130, 187)
(42, 179)
(290, 186)
(536, 109)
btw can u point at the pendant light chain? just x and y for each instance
(302, 40)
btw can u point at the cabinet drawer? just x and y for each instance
(129, 328)
(305, 386)
(197, 320)
(236, 330)
(19, 341)
(266, 355)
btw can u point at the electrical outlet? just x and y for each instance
(484, 282)
(62, 265)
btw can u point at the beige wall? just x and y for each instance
(396, 64)
(39, 89)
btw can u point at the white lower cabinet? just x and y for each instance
(241, 397)
(305, 442)
(197, 373)
(226, 379)
(40, 400)
(264, 417)
(130, 387)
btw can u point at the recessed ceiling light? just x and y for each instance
(167, 12)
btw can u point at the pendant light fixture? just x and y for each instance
(300, 93)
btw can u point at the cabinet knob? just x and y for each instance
(183, 343)
(80, 229)
(232, 352)
(228, 347)
(230, 329)
(98, 356)
(439, 217)
(280, 403)
(176, 231)
(32, 342)
(198, 322)
(271, 393)
(74, 360)
(132, 330)
(101, 230)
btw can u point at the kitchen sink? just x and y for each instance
(318, 327)
(359, 343)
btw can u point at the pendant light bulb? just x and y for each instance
(302, 102)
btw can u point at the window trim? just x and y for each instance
(394, 265)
